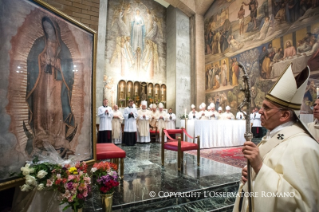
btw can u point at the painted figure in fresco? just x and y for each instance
(303, 46)
(137, 32)
(313, 62)
(253, 5)
(278, 56)
(235, 71)
(49, 90)
(234, 44)
(265, 67)
(281, 14)
(223, 78)
(241, 16)
(263, 30)
(289, 50)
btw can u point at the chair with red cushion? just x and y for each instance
(179, 145)
(113, 152)
(154, 133)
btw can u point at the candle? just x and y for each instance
(129, 88)
(122, 87)
(135, 89)
(156, 91)
(185, 113)
(317, 91)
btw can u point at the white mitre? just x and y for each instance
(227, 108)
(151, 105)
(144, 103)
(203, 105)
(212, 105)
(290, 98)
(220, 108)
(208, 108)
(160, 105)
(193, 106)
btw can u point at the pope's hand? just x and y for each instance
(251, 152)
(244, 175)
(143, 116)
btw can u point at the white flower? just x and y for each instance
(93, 169)
(30, 180)
(40, 187)
(25, 187)
(26, 170)
(41, 174)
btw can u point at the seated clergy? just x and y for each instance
(240, 115)
(228, 115)
(213, 114)
(170, 119)
(143, 124)
(193, 114)
(105, 130)
(203, 114)
(220, 113)
(153, 117)
(161, 115)
(314, 126)
(116, 125)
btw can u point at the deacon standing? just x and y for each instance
(116, 125)
(143, 124)
(220, 113)
(228, 115)
(314, 126)
(170, 119)
(256, 128)
(203, 114)
(161, 115)
(130, 116)
(285, 171)
(213, 115)
(105, 129)
(193, 114)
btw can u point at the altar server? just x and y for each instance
(193, 114)
(285, 171)
(228, 115)
(130, 116)
(105, 129)
(143, 124)
(256, 128)
(314, 126)
(240, 115)
(213, 114)
(170, 119)
(161, 116)
(203, 114)
(116, 125)
(220, 113)
(153, 117)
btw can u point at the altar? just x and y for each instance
(216, 133)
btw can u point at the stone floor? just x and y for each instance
(146, 184)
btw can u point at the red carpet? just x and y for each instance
(231, 156)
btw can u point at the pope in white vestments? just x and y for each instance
(285, 170)
(130, 116)
(143, 124)
(213, 114)
(116, 125)
(220, 113)
(105, 128)
(153, 117)
(203, 114)
(228, 115)
(161, 116)
(314, 126)
(193, 114)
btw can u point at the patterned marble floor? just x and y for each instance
(145, 181)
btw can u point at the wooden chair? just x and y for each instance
(179, 145)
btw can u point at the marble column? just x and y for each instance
(100, 54)
(178, 62)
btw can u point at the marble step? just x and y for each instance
(208, 199)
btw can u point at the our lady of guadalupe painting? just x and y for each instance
(46, 94)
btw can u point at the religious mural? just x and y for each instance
(136, 44)
(265, 36)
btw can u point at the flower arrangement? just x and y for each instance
(73, 183)
(105, 176)
(183, 116)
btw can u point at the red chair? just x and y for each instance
(179, 145)
(113, 152)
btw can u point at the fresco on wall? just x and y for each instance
(265, 36)
(135, 43)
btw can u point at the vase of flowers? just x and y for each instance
(73, 183)
(106, 178)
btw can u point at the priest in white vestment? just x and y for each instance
(314, 126)
(105, 128)
(170, 119)
(143, 124)
(228, 115)
(220, 113)
(256, 128)
(153, 117)
(130, 116)
(203, 114)
(193, 114)
(117, 125)
(161, 116)
(213, 114)
(240, 115)
(285, 171)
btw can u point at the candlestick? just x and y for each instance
(185, 113)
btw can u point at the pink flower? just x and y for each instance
(87, 180)
(70, 199)
(67, 166)
(71, 177)
(75, 185)
(85, 193)
(49, 183)
(58, 176)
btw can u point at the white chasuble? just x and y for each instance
(143, 123)
(116, 124)
(170, 121)
(161, 116)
